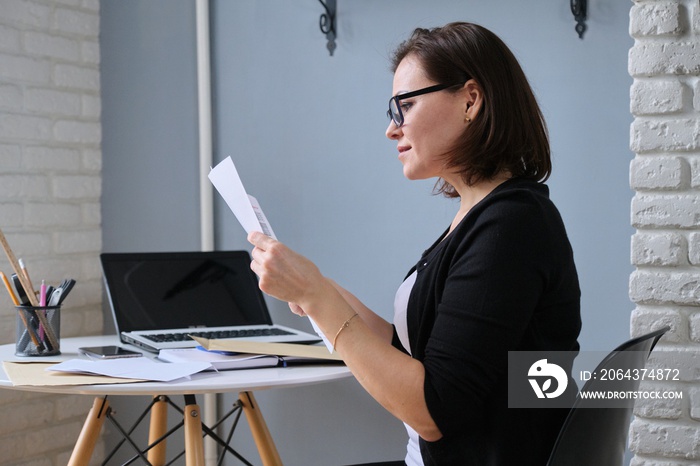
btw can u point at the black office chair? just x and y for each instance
(597, 436)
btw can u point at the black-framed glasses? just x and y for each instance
(395, 112)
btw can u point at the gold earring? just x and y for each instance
(467, 119)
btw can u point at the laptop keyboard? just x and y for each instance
(185, 336)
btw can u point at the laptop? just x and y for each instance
(158, 299)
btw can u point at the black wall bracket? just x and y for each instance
(578, 9)
(327, 23)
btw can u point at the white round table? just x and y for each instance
(243, 381)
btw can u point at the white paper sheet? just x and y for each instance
(132, 368)
(247, 210)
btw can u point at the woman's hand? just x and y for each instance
(392, 377)
(284, 274)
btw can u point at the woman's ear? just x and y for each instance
(474, 97)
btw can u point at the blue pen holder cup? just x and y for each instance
(38, 331)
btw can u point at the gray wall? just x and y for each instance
(306, 132)
(149, 111)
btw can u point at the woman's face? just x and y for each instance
(432, 123)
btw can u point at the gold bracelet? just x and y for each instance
(342, 327)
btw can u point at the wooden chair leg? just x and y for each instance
(158, 427)
(194, 445)
(82, 452)
(258, 427)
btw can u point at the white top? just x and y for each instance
(204, 382)
(413, 456)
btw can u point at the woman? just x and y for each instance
(500, 278)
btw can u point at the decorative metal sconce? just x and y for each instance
(578, 8)
(327, 23)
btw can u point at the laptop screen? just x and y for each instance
(156, 291)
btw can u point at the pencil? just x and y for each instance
(9, 289)
(26, 275)
(35, 340)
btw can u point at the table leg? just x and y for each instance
(258, 427)
(194, 446)
(158, 428)
(90, 433)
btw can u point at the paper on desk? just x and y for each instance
(277, 349)
(131, 368)
(34, 374)
(247, 210)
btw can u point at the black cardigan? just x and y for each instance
(503, 280)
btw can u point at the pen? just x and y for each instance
(42, 294)
(67, 286)
(16, 302)
(49, 291)
(33, 316)
(42, 303)
(21, 295)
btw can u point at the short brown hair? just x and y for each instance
(510, 133)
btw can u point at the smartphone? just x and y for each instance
(108, 352)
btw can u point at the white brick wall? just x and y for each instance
(50, 187)
(665, 173)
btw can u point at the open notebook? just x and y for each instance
(159, 298)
